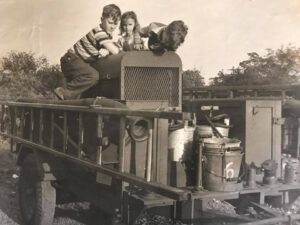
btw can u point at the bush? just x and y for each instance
(51, 77)
(192, 79)
(25, 75)
(20, 62)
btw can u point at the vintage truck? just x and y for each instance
(130, 145)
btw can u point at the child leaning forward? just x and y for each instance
(164, 37)
(75, 64)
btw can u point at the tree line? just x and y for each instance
(23, 74)
(281, 66)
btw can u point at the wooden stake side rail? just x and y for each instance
(240, 91)
(247, 87)
(103, 110)
(35, 114)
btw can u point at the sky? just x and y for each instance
(221, 32)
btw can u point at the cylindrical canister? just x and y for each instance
(251, 177)
(181, 141)
(291, 173)
(270, 167)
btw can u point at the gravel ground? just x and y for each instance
(9, 213)
(70, 214)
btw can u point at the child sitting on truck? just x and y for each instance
(130, 28)
(165, 38)
(75, 64)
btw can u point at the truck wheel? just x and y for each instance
(36, 197)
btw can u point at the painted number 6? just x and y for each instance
(229, 171)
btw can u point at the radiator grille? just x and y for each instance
(152, 83)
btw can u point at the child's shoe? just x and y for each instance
(59, 93)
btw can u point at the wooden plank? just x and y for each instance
(260, 91)
(14, 122)
(2, 117)
(41, 130)
(155, 148)
(72, 142)
(80, 135)
(13, 127)
(22, 122)
(263, 208)
(199, 165)
(213, 214)
(162, 150)
(31, 124)
(247, 87)
(65, 132)
(121, 146)
(149, 154)
(52, 129)
(99, 136)
(102, 110)
(298, 140)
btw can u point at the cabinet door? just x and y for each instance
(263, 134)
(259, 134)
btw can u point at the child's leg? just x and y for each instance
(80, 76)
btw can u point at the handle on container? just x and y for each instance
(213, 126)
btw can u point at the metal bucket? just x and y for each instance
(180, 142)
(221, 168)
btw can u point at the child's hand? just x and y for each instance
(103, 52)
(138, 43)
(138, 46)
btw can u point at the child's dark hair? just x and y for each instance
(176, 32)
(112, 11)
(129, 15)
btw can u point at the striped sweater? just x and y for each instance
(87, 48)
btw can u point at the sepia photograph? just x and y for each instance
(135, 112)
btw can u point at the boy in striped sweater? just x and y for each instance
(97, 43)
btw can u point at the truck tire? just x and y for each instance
(37, 198)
